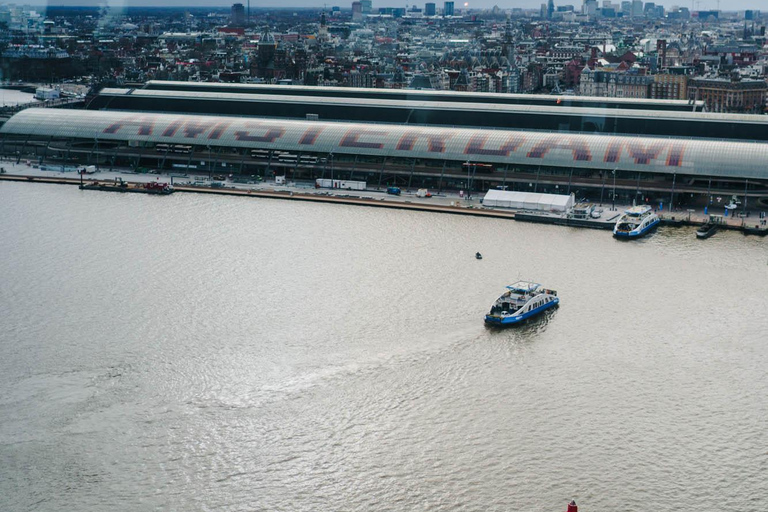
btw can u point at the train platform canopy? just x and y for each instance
(109, 97)
(428, 95)
(702, 157)
(529, 201)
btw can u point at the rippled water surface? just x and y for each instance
(198, 353)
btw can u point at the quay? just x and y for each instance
(441, 205)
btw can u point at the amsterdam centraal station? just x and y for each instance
(639, 150)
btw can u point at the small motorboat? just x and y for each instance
(706, 230)
(478, 256)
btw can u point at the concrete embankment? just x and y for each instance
(298, 196)
(402, 203)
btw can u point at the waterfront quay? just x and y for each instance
(449, 202)
(632, 153)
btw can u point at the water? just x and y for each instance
(192, 352)
(10, 97)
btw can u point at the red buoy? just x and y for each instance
(572, 507)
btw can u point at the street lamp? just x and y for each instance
(469, 170)
(210, 169)
(613, 206)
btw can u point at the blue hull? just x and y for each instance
(631, 236)
(502, 322)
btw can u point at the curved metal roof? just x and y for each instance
(469, 97)
(370, 103)
(567, 150)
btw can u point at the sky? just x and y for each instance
(731, 5)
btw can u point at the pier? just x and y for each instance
(405, 202)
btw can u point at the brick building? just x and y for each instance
(729, 95)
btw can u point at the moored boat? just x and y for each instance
(521, 301)
(152, 187)
(707, 229)
(636, 222)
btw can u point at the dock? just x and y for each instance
(606, 222)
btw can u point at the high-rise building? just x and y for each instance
(430, 9)
(357, 11)
(448, 9)
(589, 7)
(550, 9)
(367, 6)
(626, 8)
(637, 8)
(237, 15)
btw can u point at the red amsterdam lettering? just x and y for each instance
(476, 146)
(173, 128)
(576, 145)
(675, 158)
(613, 152)
(310, 136)
(435, 141)
(644, 154)
(194, 128)
(352, 139)
(270, 135)
(145, 125)
(218, 130)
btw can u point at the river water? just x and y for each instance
(195, 353)
(10, 97)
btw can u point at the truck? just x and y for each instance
(395, 191)
(88, 169)
(423, 192)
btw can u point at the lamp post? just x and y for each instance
(613, 205)
(469, 170)
(210, 169)
(602, 189)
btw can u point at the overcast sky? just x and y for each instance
(732, 5)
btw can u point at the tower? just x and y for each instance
(266, 54)
(237, 15)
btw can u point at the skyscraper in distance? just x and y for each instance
(237, 15)
(448, 9)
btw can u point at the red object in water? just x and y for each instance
(572, 507)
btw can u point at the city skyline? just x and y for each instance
(703, 5)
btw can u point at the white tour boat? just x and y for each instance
(522, 300)
(636, 222)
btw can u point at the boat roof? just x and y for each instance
(523, 286)
(638, 210)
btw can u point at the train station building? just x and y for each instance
(614, 150)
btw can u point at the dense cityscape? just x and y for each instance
(264, 258)
(631, 49)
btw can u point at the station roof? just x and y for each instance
(502, 147)
(135, 96)
(416, 94)
(416, 103)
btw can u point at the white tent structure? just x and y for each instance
(529, 201)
